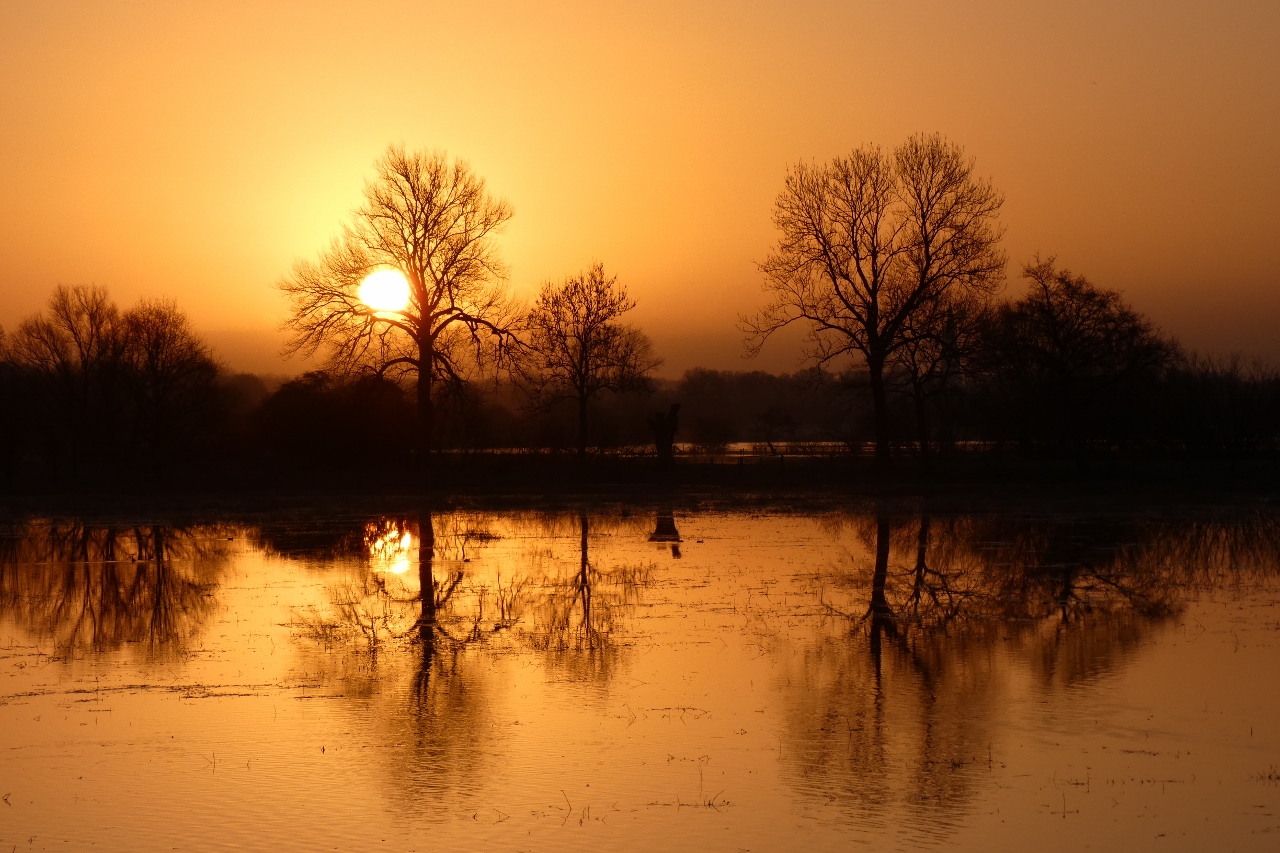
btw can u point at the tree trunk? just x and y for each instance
(875, 367)
(922, 553)
(881, 614)
(584, 581)
(582, 427)
(426, 576)
(922, 424)
(426, 407)
(427, 596)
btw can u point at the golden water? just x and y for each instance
(640, 679)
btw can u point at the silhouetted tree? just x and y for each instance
(76, 350)
(434, 221)
(938, 347)
(14, 412)
(102, 387)
(1072, 358)
(868, 242)
(172, 376)
(577, 346)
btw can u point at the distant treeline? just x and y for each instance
(90, 393)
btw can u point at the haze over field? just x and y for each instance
(196, 152)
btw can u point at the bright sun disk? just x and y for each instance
(385, 290)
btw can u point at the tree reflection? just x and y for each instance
(448, 701)
(303, 538)
(525, 600)
(899, 696)
(395, 632)
(576, 617)
(922, 635)
(418, 645)
(93, 589)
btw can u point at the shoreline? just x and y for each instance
(889, 493)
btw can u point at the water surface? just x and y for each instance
(642, 678)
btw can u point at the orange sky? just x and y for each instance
(196, 150)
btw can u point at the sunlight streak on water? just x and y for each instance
(390, 545)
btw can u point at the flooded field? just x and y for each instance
(640, 679)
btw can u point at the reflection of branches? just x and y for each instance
(940, 570)
(905, 603)
(937, 595)
(96, 589)
(578, 615)
(896, 701)
(456, 603)
(411, 636)
(299, 538)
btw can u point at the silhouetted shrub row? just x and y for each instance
(86, 388)
(89, 393)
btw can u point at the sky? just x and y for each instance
(195, 151)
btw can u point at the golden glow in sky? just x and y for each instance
(385, 291)
(196, 151)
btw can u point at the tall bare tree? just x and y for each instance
(76, 347)
(77, 341)
(868, 242)
(172, 374)
(109, 381)
(434, 221)
(577, 346)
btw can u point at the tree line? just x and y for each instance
(890, 261)
(85, 386)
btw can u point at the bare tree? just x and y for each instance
(105, 382)
(173, 375)
(78, 340)
(868, 242)
(939, 345)
(1075, 355)
(434, 221)
(76, 347)
(577, 347)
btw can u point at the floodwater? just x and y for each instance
(639, 679)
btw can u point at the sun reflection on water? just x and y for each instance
(388, 542)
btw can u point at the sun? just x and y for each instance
(385, 290)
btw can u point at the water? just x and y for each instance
(760, 679)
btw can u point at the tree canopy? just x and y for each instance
(433, 220)
(577, 346)
(869, 245)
